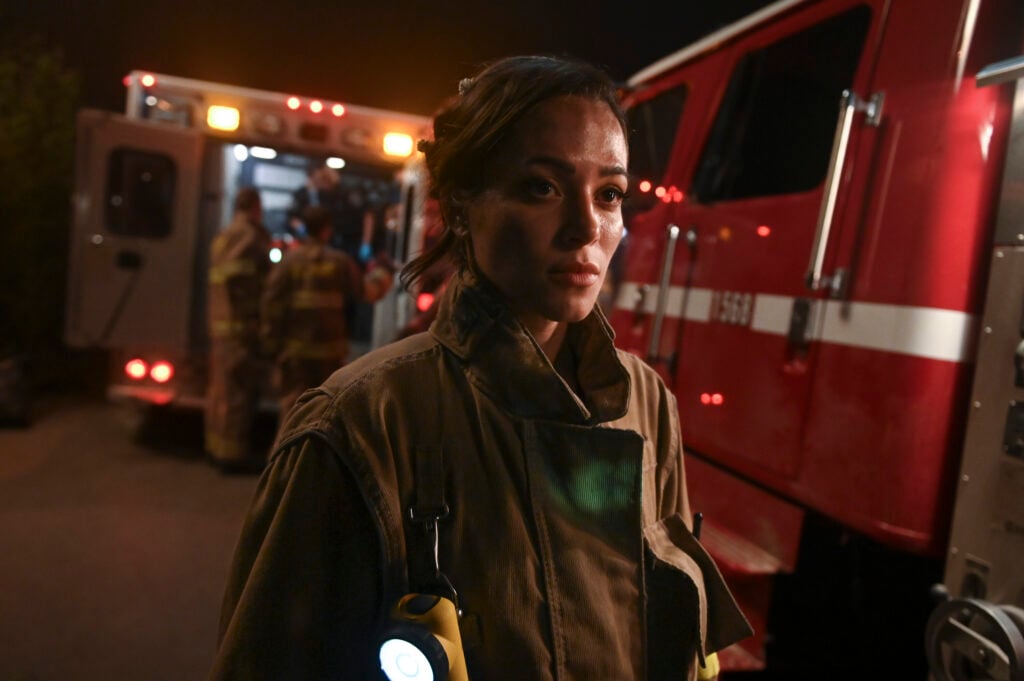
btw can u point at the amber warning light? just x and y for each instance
(223, 118)
(397, 144)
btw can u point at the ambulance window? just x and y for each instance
(652, 130)
(773, 134)
(140, 193)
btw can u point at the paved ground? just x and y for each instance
(113, 550)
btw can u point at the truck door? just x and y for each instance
(733, 332)
(133, 233)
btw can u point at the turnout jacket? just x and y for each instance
(305, 301)
(238, 268)
(567, 536)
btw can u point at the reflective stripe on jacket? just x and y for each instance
(238, 267)
(303, 307)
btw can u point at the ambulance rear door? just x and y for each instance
(133, 233)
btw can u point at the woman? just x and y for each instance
(548, 461)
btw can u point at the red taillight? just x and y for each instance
(136, 369)
(715, 399)
(424, 301)
(763, 230)
(162, 372)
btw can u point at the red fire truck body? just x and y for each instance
(806, 264)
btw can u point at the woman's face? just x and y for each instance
(550, 217)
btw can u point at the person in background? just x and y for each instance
(239, 262)
(312, 193)
(305, 305)
(511, 459)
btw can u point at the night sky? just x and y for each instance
(402, 55)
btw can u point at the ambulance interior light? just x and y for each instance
(335, 162)
(265, 153)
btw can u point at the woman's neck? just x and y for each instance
(549, 336)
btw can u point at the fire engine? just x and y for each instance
(824, 260)
(153, 186)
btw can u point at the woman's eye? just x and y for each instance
(612, 195)
(540, 187)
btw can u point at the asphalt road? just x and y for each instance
(114, 545)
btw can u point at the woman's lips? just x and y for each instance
(576, 274)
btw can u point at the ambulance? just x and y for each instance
(824, 260)
(154, 184)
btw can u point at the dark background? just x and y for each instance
(399, 55)
(59, 56)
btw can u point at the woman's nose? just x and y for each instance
(581, 223)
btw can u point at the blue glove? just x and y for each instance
(365, 253)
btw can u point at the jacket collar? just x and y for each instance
(505, 361)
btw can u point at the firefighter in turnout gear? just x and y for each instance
(307, 306)
(239, 264)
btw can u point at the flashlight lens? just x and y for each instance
(402, 661)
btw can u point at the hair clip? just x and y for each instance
(464, 85)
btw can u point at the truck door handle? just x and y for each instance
(849, 104)
(663, 285)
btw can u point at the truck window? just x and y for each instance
(140, 193)
(652, 131)
(773, 133)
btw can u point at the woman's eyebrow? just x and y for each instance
(569, 168)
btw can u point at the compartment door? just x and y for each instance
(133, 233)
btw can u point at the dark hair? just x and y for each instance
(247, 198)
(470, 127)
(315, 219)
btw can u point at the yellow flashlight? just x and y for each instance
(423, 642)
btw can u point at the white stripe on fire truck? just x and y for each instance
(929, 332)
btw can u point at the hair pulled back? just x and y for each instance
(470, 127)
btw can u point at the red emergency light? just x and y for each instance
(316, 106)
(338, 110)
(645, 186)
(424, 301)
(161, 372)
(136, 369)
(763, 230)
(148, 80)
(293, 103)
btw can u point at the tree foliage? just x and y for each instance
(38, 99)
